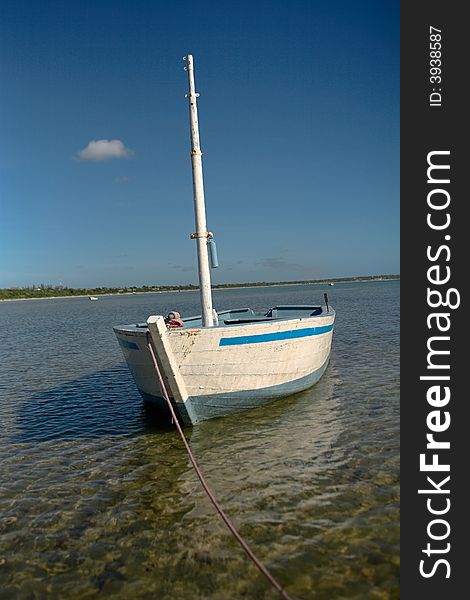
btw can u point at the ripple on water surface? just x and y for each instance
(98, 499)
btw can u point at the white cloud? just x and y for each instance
(104, 150)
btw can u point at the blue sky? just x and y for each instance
(299, 117)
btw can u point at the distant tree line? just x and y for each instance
(50, 291)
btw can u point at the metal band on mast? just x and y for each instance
(201, 234)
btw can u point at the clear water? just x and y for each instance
(99, 500)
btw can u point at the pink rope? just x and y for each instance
(212, 498)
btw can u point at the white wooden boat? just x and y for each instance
(216, 364)
(92, 298)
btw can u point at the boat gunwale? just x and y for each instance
(141, 329)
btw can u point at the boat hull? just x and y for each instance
(212, 372)
(201, 408)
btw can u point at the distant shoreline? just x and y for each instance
(327, 282)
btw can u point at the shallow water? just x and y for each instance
(97, 499)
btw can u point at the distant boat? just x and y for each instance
(331, 283)
(215, 364)
(92, 298)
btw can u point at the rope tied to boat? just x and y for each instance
(204, 484)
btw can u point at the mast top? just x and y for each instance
(189, 62)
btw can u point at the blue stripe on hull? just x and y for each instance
(271, 337)
(127, 344)
(201, 408)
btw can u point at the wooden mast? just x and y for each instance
(201, 234)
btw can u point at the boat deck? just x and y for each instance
(245, 316)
